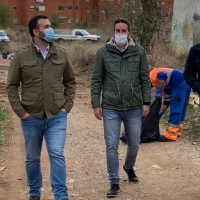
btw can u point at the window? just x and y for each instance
(69, 20)
(62, 20)
(41, 8)
(32, 7)
(78, 33)
(87, 0)
(76, 8)
(110, 0)
(87, 11)
(76, 20)
(39, 1)
(102, 11)
(14, 7)
(69, 8)
(61, 8)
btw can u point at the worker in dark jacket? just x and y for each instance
(121, 75)
(192, 69)
(48, 89)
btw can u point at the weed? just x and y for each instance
(2, 120)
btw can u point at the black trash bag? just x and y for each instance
(150, 123)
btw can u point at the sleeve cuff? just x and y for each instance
(146, 103)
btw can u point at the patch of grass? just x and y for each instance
(191, 127)
(3, 117)
(192, 123)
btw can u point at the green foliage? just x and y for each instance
(55, 23)
(2, 120)
(192, 125)
(148, 20)
(5, 14)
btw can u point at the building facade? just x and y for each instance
(67, 11)
(186, 24)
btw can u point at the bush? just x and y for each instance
(5, 14)
(82, 54)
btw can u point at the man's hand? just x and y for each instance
(63, 110)
(145, 110)
(98, 113)
(25, 116)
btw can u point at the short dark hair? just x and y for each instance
(125, 21)
(33, 23)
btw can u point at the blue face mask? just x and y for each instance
(49, 35)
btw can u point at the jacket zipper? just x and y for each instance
(120, 98)
(132, 91)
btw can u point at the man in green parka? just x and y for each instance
(121, 75)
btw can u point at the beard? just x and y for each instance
(43, 40)
(41, 35)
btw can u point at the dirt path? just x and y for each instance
(166, 171)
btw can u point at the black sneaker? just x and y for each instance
(131, 175)
(34, 198)
(114, 190)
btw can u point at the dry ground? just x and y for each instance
(166, 171)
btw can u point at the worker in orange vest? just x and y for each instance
(170, 85)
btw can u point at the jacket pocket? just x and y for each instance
(135, 95)
(112, 65)
(59, 100)
(59, 66)
(30, 102)
(111, 94)
(133, 64)
(29, 70)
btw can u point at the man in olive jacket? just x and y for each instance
(48, 88)
(121, 74)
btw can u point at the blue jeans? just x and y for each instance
(54, 132)
(112, 123)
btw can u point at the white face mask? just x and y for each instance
(121, 39)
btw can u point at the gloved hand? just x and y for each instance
(157, 93)
(160, 113)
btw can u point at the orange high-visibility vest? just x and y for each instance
(155, 71)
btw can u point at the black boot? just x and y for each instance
(123, 139)
(114, 190)
(131, 175)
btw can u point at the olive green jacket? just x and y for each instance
(123, 80)
(46, 85)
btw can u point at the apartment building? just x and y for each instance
(68, 11)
